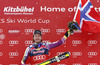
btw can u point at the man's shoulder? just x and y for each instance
(30, 46)
(46, 43)
(43, 43)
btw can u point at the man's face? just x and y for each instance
(37, 38)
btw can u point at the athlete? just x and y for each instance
(38, 51)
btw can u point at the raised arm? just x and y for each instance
(58, 43)
(72, 26)
(26, 55)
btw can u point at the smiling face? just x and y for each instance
(37, 38)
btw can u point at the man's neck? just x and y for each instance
(36, 44)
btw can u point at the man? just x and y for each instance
(38, 51)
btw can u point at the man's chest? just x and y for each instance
(38, 51)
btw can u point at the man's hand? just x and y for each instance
(73, 26)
